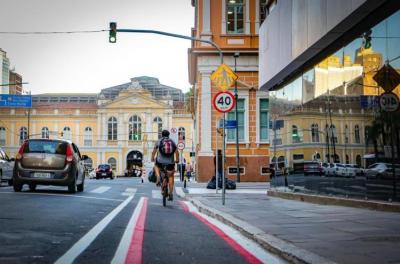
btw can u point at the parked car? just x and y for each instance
(92, 174)
(6, 167)
(382, 171)
(104, 171)
(312, 167)
(358, 170)
(49, 162)
(348, 171)
(335, 169)
(324, 166)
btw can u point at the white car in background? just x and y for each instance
(6, 168)
(335, 169)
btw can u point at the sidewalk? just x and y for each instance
(305, 232)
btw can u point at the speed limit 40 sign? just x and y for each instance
(224, 102)
(389, 102)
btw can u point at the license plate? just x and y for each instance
(103, 174)
(45, 175)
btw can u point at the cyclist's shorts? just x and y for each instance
(170, 167)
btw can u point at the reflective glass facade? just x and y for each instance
(331, 114)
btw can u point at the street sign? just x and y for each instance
(387, 78)
(224, 77)
(173, 134)
(17, 101)
(230, 124)
(181, 146)
(389, 102)
(224, 102)
(368, 101)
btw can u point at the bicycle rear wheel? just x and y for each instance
(164, 191)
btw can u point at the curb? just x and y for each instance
(287, 251)
(327, 200)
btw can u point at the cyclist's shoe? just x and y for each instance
(170, 197)
(158, 183)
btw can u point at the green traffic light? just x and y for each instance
(113, 32)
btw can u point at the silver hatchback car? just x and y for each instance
(49, 162)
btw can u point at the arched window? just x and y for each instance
(112, 128)
(88, 136)
(317, 156)
(23, 135)
(346, 134)
(135, 128)
(113, 163)
(67, 133)
(334, 134)
(347, 159)
(314, 133)
(357, 134)
(2, 136)
(297, 136)
(45, 132)
(158, 123)
(358, 160)
(181, 133)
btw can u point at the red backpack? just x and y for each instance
(167, 147)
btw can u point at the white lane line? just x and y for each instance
(263, 255)
(101, 189)
(124, 244)
(60, 194)
(129, 191)
(156, 194)
(87, 239)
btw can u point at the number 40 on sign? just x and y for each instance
(224, 102)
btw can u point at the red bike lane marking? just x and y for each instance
(236, 246)
(134, 255)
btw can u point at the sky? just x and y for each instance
(87, 63)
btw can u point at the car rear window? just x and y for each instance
(104, 166)
(46, 146)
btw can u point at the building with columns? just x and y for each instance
(109, 127)
(233, 26)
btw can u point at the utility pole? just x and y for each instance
(236, 55)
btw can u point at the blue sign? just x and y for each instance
(367, 101)
(14, 100)
(230, 124)
(278, 124)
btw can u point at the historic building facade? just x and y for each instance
(233, 26)
(109, 127)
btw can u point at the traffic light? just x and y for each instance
(113, 32)
(367, 39)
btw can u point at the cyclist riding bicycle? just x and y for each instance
(168, 155)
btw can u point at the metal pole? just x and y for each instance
(29, 121)
(223, 163)
(276, 159)
(216, 157)
(236, 55)
(393, 159)
(175, 36)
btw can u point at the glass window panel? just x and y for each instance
(231, 135)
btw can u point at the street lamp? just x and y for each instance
(236, 55)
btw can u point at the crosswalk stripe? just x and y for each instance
(156, 194)
(129, 191)
(101, 189)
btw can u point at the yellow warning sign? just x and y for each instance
(387, 78)
(224, 77)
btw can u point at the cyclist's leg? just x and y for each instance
(170, 173)
(157, 172)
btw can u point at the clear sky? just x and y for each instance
(88, 62)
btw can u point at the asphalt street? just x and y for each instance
(114, 221)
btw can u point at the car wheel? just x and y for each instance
(10, 182)
(72, 186)
(81, 187)
(17, 186)
(32, 187)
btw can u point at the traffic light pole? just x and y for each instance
(174, 36)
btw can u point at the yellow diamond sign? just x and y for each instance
(224, 77)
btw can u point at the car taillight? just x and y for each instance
(70, 154)
(21, 151)
(97, 170)
(109, 170)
